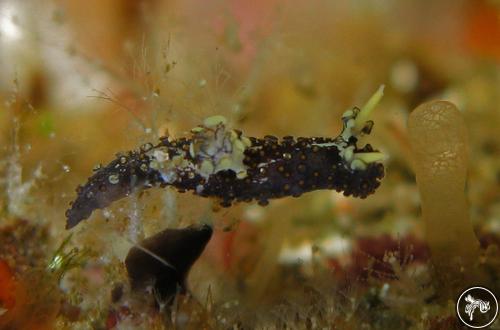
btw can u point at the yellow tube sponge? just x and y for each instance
(439, 141)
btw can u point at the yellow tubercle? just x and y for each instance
(206, 167)
(369, 157)
(364, 114)
(214, 121)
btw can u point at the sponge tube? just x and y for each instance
(439, 141)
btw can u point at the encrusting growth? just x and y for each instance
(220, 162)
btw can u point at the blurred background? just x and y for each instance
(83, 80)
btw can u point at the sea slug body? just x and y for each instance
(219, 162)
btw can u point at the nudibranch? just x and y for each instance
(220, 162)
